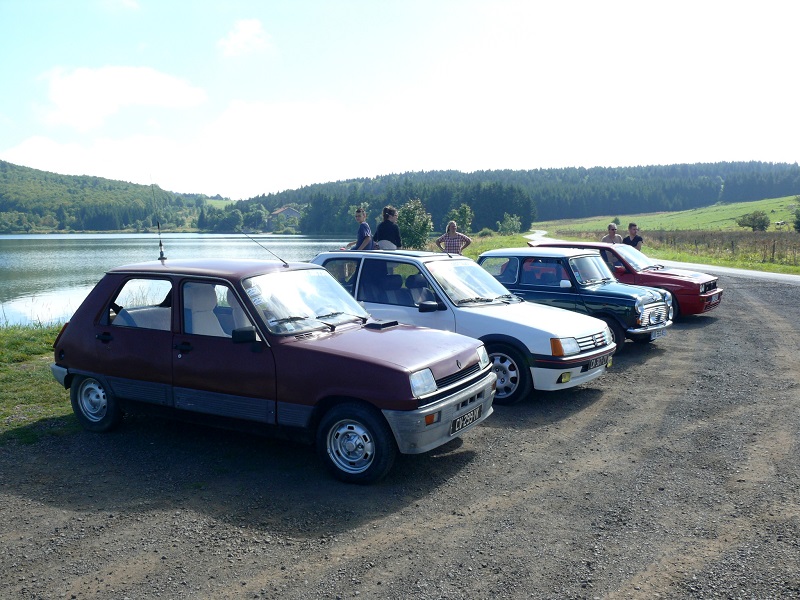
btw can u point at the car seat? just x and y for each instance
(418, 286)
(199, 301)
(395, 292)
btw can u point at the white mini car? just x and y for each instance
(530, 346)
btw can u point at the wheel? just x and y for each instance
(356, 443)
(96, 409)
(617, 333)
(676, 309)
(513, 375)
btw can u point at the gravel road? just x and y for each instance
(674, 476)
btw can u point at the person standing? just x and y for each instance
(633, 238)
(364, 239)
(454, 242)
(387, 235)
(612, 237)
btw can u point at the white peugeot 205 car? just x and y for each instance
(531, 346)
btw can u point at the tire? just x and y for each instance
(356, 443)
(617, 333)
(97, 410)
(514, 380)
(676, 309)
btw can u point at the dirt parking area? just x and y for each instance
(674, 476)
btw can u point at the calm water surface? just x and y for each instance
(44, 278)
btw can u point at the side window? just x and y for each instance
(536, 271)
(344, 271)
(504, 268)
(391, 282)
(205, 307)
(143, 304)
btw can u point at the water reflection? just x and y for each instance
(44, 278)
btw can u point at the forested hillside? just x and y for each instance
(32, 200)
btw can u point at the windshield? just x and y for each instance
(590, 269)
(465, 282)
(636, 259)
(300, 301)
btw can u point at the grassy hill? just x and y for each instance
(718, 217)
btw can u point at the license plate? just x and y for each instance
(715, 297)
(657, 334)
(598, 362)
(466, 420)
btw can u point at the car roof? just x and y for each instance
(414, 254)
(567, 244)
(229, 268)
(542, 252)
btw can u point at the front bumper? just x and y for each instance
(551, 373)
(649, 329)
(412, 434)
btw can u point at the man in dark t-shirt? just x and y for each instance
(633, 238)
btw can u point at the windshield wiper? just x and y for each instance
(473, 300)
(509, 297)
(591, 281)
(656, 267)
(288, 320)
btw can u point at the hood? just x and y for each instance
(615, 289)
(693, 276)
(512, 319)
(400, 347)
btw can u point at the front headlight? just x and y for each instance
(564, 346)
(639, 305)
(483, 358)
(422, 383)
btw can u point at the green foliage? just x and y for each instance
(463, 216)
(485, 232)
(509, 225)
(797, 220)
(615, 220)
(415, 224)
(756, 220)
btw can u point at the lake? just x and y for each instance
(44, 278)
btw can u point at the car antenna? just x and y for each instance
(285, 264)
(161, 256)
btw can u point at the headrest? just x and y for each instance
(393, 282)
(415, 281)
(199, 296)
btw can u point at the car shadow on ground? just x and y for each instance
(152, 464)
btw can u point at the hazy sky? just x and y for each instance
(244, 97)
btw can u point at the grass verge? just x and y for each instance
(32, 404)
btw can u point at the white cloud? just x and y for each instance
(84, 98)
(246, 37)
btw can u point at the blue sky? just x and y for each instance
(244, 97)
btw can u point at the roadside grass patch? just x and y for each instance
(32, 404)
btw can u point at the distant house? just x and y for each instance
(283, 214)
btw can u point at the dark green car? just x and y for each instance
(580, 280)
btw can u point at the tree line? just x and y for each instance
(33, 200)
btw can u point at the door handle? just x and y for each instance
(104, 337)
(183, 347)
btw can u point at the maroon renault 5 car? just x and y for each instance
(282, 347)
(692, 292)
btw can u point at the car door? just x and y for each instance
(619, 266)
(133, 341)
(540, 281)
(211, 373)
(393, 290)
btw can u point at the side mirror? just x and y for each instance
(565, 283)
(428, 306)
(244, 335)
(619, 269)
